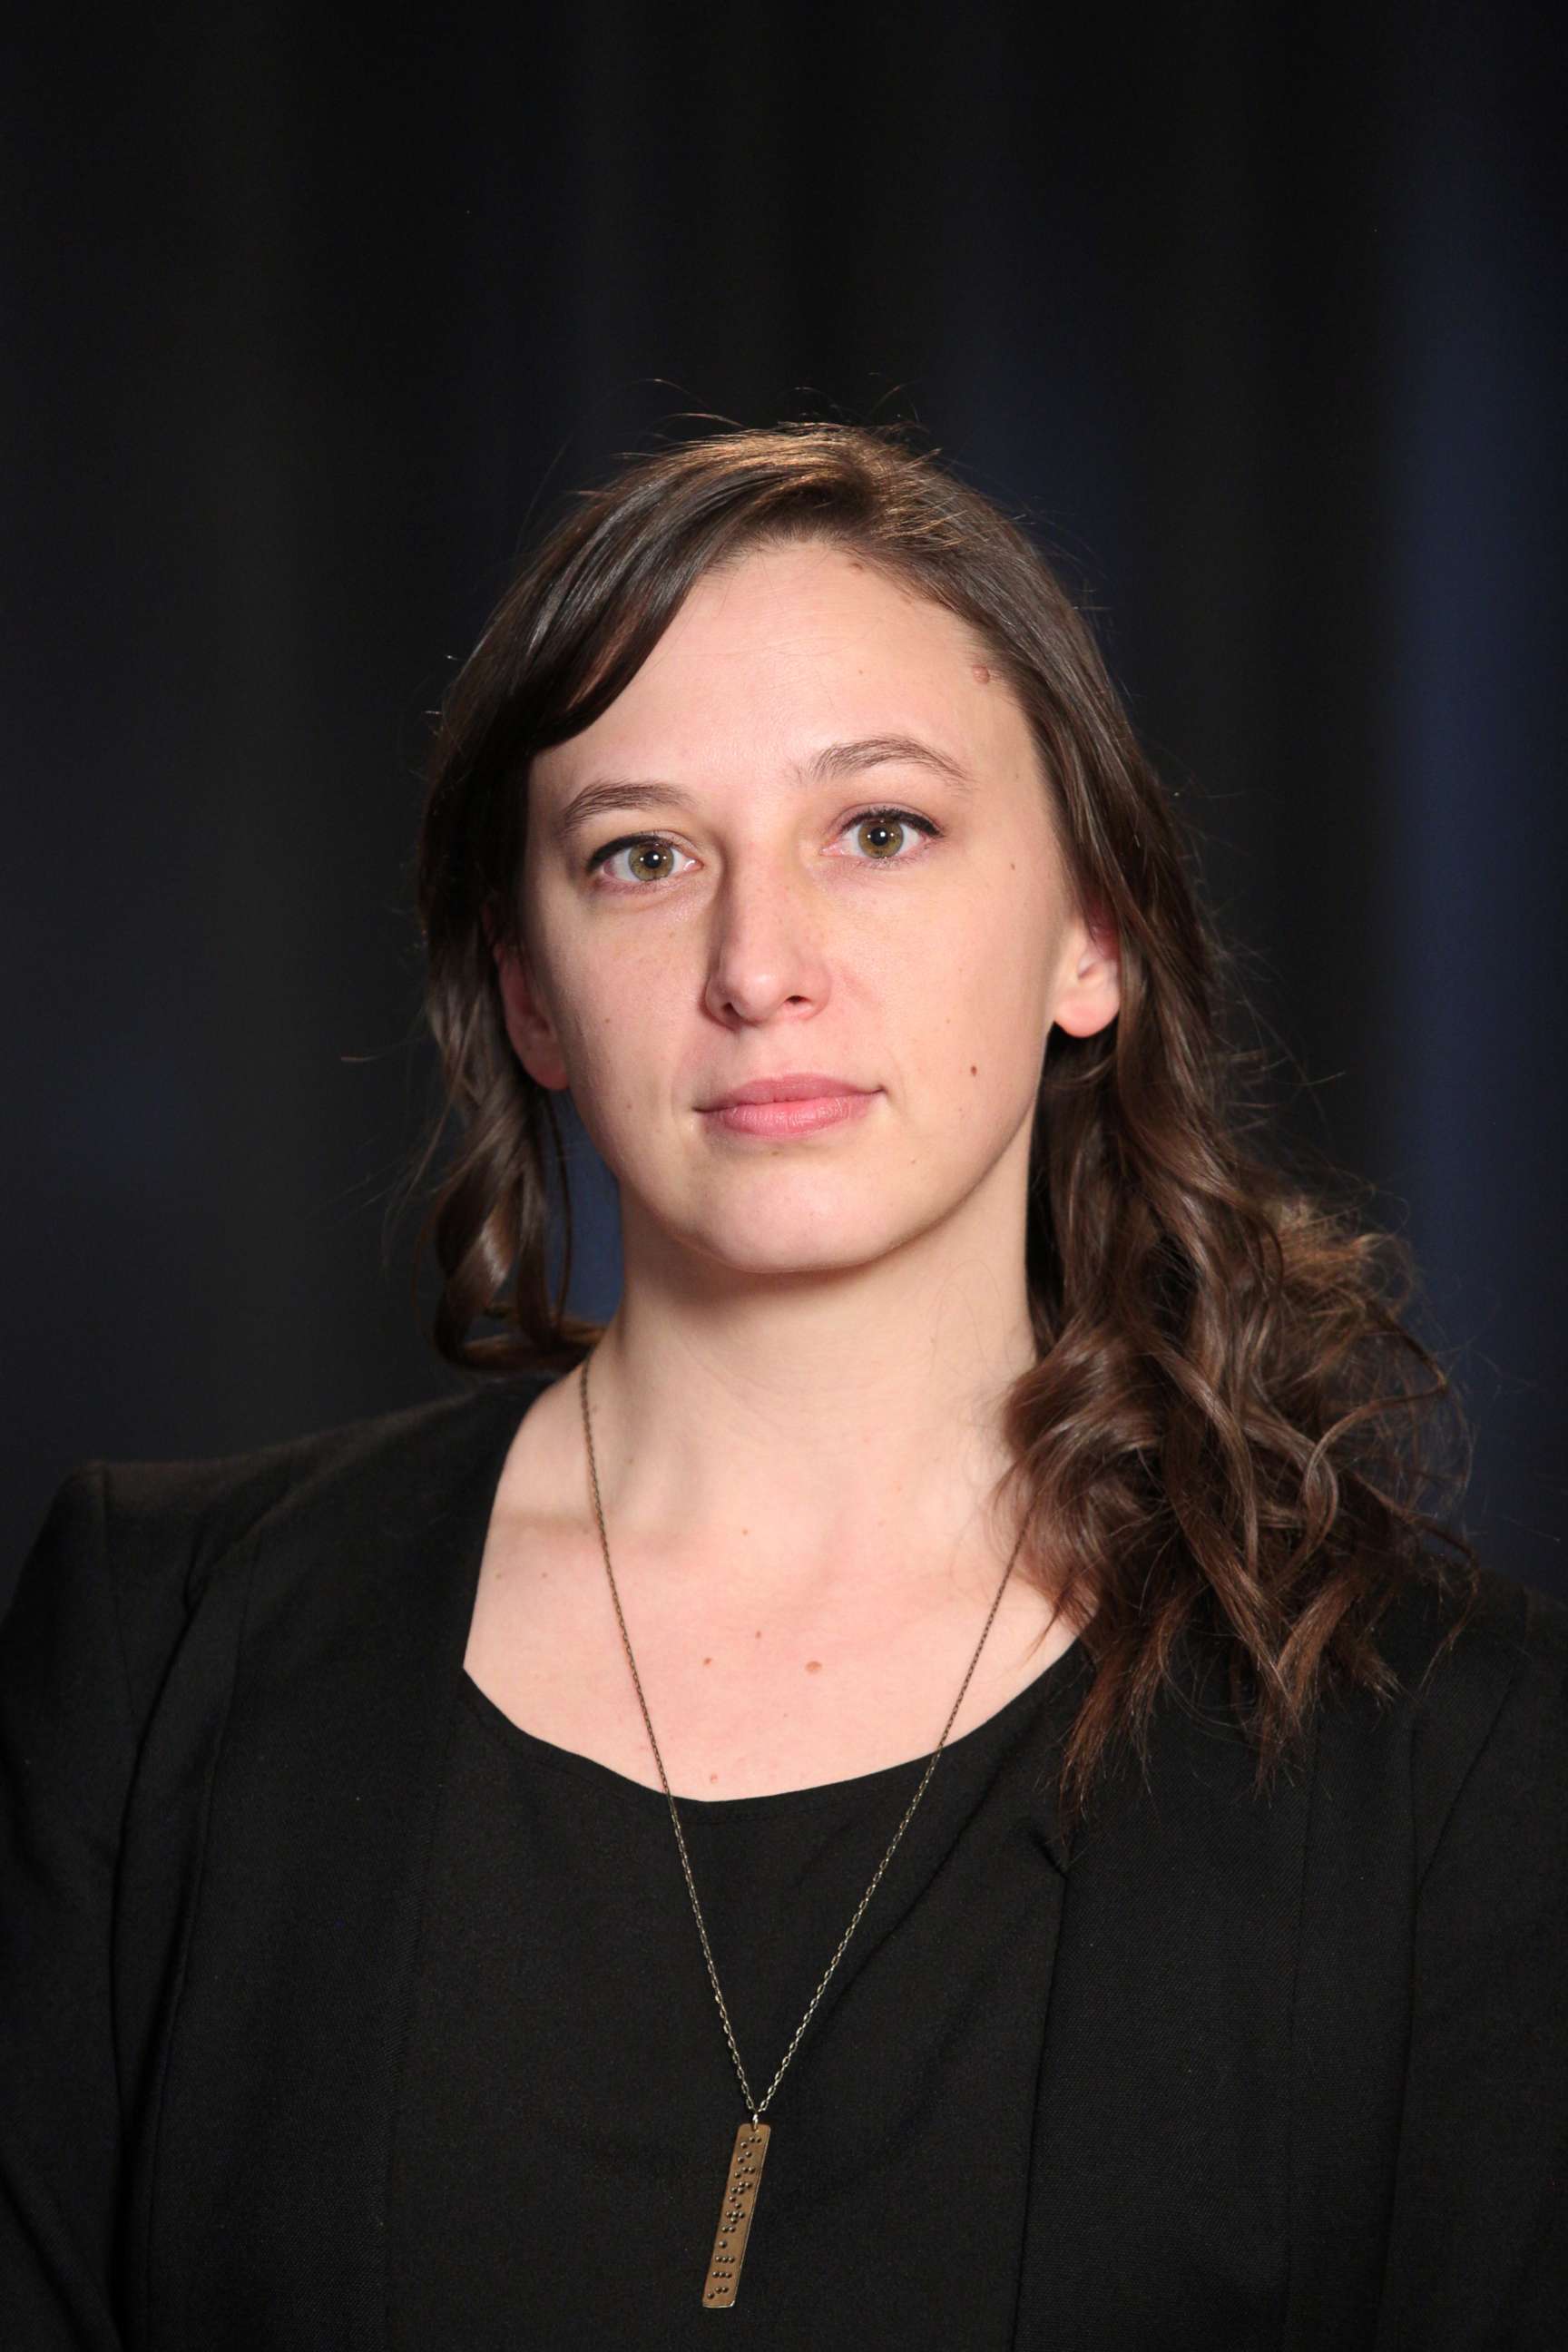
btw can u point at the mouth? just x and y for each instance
(790, 1086)
(792, 1115)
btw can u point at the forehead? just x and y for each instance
(785, 647)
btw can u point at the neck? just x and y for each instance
(810, 1430)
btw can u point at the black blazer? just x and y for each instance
(1306, 2077)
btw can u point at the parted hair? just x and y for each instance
(1230, 1442)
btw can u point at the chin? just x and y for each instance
(765, 1236)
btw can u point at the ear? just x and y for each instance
(528, 1023)
(1089, 995)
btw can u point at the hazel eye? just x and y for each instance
(885, 821)
(636, 845)
(648, 848)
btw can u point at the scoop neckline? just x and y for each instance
(821, 1793)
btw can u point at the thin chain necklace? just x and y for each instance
(723, 2276)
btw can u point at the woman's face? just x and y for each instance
(761, 924)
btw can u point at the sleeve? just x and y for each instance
(67, 1745)
(1478, 2245)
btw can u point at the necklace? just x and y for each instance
(722, 2281)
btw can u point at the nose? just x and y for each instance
(765, 948)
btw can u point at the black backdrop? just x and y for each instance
(1257, 312)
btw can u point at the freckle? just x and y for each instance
(981, 675)
(758, 1634)
(707, 1661)
(813, 1666)
(972, 1071)
(713, 1776)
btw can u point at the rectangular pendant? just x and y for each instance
(735, 2215)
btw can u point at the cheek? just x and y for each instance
(617, 1019)
(977, 1044)
(982, 994)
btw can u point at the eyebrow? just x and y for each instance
(834, 760)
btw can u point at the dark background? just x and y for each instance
(313, 315)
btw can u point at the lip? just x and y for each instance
(796, 1104)
(795, 1086)
(802, 1116)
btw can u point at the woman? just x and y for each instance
(956, 1668)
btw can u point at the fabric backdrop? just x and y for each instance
(313, 312)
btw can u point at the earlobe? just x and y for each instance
(1093, 998)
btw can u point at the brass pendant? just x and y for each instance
(735, 2216)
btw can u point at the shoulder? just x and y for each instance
(130, 1546)
(1480, 1720)
(205, 1504)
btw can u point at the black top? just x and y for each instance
(1301, 2081)
(570, 2104)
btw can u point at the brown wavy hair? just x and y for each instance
(1226, 1436)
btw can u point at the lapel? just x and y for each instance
(1220, 2093)
(1159, 2181)
(347, 1611)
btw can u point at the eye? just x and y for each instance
(873, 822)
(883, 820)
